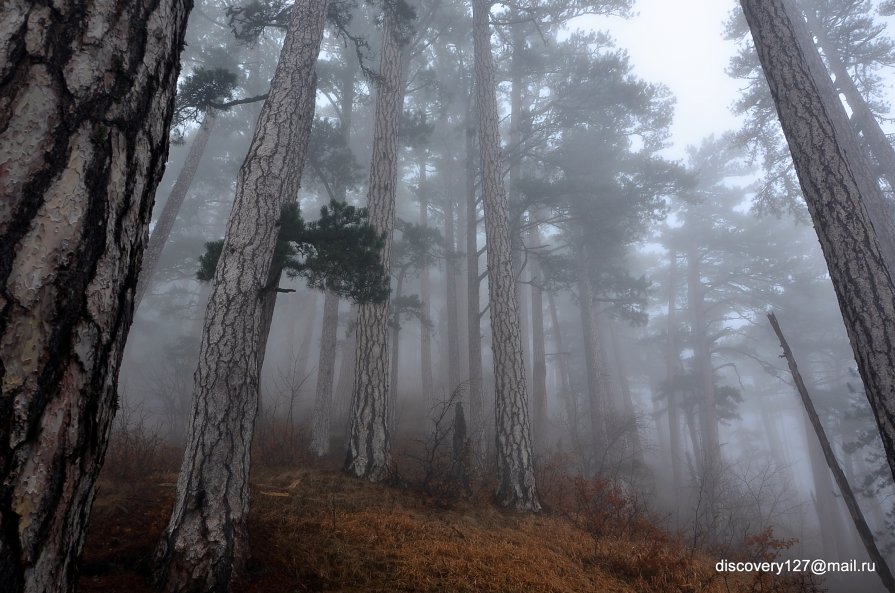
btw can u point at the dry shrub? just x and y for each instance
(279, 442)
(136, 450)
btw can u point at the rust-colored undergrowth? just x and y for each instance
(316, 530)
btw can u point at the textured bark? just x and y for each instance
(882, 568)
(515, 471)
(205, 543)
(323, 400)
(425, 289)
(881, 211)
(86, 96)
(837, 184)
(473, 283)
(168, 215)
(368, 445)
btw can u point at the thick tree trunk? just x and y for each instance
(837, 184)
(428, 385)
(87, 94)
(881, 211)
(515, 471)
(168, 215)
(473, 283)
(326, 366)
(205, 541)
(368, 446)
(882, 568)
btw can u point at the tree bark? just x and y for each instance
(882, 568)
(515, 471)
(205, 543)
(87, 94)
(837, 184)
(323, 400)
(168, 215)
(878, 145)
(368, 446)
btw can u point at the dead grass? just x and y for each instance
(316, 530)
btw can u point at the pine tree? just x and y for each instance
(87, 100)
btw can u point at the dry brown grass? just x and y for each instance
(314, 529)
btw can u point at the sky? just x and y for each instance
(681, 44)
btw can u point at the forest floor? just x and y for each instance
(314, 529)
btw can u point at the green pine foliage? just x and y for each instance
(341, 252)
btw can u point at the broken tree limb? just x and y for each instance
(882, 568)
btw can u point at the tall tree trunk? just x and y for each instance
(205, 542)
(565, 384)
(450, 273)
(866, 123)
(594, 361)
(396, 344)
(473, 283)
(515, 471)
(702, 360)
(837, 185)
(538, 350)
(368, 446)
(672, 369)
(323, 400)
(882, 568)
(87, 95)
(428, 385)
(168, 215)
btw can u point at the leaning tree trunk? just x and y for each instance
(515, 470)
(205, 543)
(848, 496)
(323, 400)
(837, 184)
(368, 444)
(168, 215)
(87, 93)
(878, 145)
